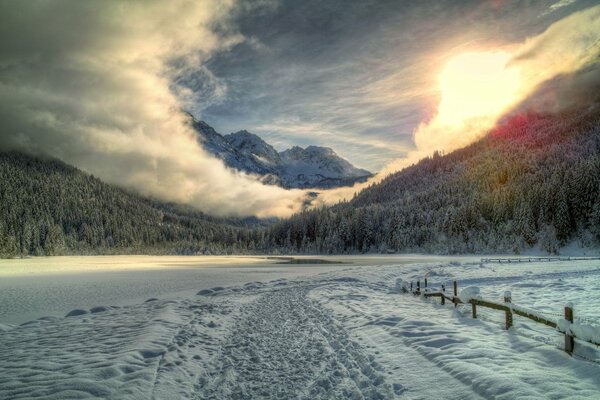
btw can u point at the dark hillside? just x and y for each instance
(48, 207)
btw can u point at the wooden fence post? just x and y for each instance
(418, 287)
(569, 340)
(509, 317)
(411, 287)
(443, 294)
(508, 320)
(425, 283)
(474, 308)
(455, 293)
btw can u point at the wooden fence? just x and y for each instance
(509, 260)
(507, 307)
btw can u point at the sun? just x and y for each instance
(475, 85)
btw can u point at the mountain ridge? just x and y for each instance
(297, 167)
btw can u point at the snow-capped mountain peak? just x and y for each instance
(320, 160)
(247, 142)
(297, 167)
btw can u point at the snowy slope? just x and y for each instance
(345, 333)
(318, 166)
(312, 167)
(249, 143)
(216, 144)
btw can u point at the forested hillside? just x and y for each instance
(533, 181)
(50, 208)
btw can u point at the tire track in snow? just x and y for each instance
(285, 345)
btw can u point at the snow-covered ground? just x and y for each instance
(295, 331)
(52, 286)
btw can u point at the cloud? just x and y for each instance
(97, 85)
(560, 4)
(567, 51)
(567, 46)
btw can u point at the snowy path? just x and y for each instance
(287, 346)
(341, 334)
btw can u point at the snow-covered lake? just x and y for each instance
(53, 286)
(250, 327)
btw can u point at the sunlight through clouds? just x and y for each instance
(478, 88)
(476, 84)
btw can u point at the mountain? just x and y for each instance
(532, 182)
(312, 167)
(318, 167)
(233, 157)
(249, 143)
(51, 208)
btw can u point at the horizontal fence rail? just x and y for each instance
(509, 260)
(564, 326)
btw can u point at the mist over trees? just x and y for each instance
(533, 181)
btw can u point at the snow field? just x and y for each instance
(345, 333)
(53, 286)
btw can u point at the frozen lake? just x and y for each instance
(52, 286)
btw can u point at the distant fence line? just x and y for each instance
(565, 326)
(535, 259)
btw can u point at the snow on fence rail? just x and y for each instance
(470, 295)
(535, 259)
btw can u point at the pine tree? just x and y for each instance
(562, 219)
(525, 223)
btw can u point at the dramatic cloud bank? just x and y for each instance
(567, 47)
(95, 84)
(101, 85)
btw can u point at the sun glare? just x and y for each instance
(477, 85)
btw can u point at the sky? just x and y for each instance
(103, 85)
(356, 76)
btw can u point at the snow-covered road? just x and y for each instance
(344, 333)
